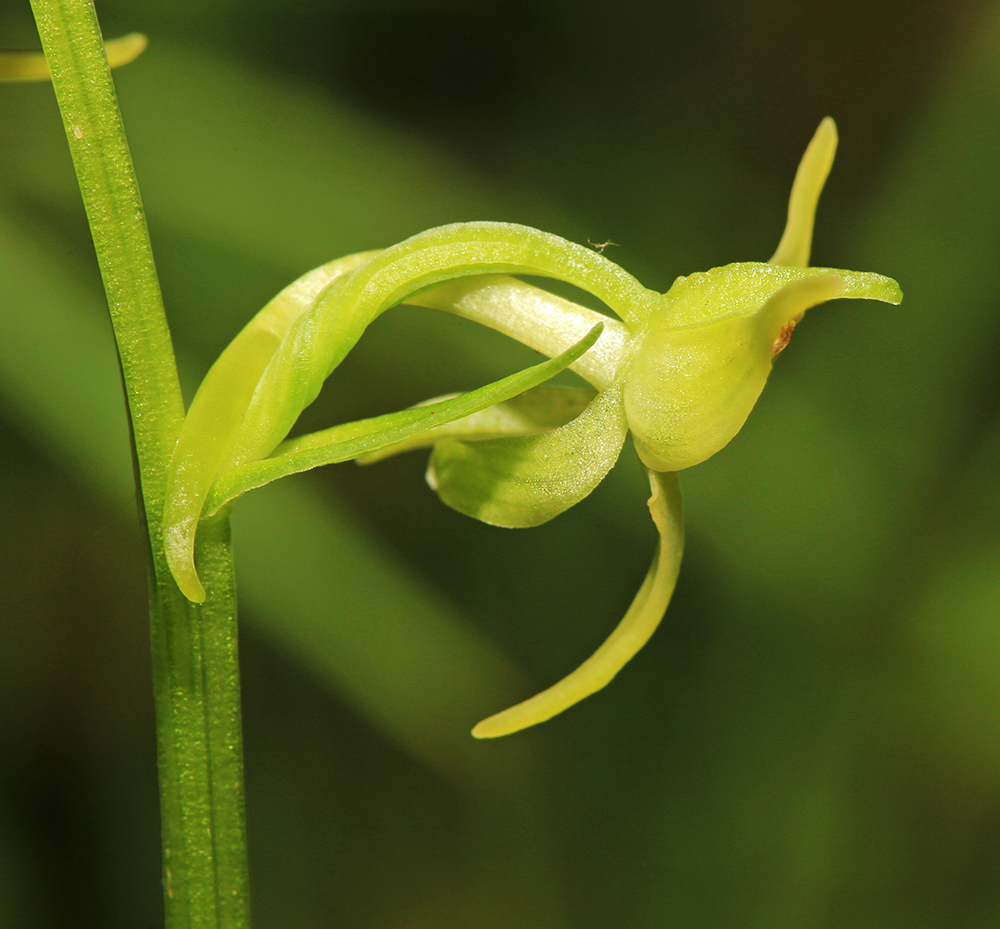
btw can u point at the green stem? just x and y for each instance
(195, 666)
(200, 748)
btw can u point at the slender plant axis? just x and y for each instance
(194, 646)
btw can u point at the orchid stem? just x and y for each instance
(195, 668)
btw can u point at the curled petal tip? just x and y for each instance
(126, 49)
(826, 132)
(179, 549)
(492, 728)
(189, 583)
(192, 588)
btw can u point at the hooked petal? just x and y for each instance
(638, 624)
(215, 415)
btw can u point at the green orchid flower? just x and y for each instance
(678, 371)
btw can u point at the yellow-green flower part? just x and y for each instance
(680, 373)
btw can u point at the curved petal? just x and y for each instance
(216, 413)
(320, 339)
(538, 410)
(349, 440)
(527, 480)
(742, 288)
(630, 635)
(257, 389)
(539, 319)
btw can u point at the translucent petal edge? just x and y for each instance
(524, 481)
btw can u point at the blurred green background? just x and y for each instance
(812, 739)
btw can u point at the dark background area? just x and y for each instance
(812, 739)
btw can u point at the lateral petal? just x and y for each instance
(527, 480)
(538, 410)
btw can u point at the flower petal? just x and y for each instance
(629, 636)
(216, 413)
(527, 480)
(349, 440)
(689, 388)
(539, 319)
(538, 410)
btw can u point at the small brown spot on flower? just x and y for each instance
(784, 337)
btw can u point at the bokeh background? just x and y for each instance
(812, 739)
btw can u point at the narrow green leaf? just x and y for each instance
(195, 667)
(347, 441)
(527, 480)
(540, 409)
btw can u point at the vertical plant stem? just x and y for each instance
(195, 664)
(200, 748)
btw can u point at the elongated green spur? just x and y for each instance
(678, 371)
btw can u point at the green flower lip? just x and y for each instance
(681, 372)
